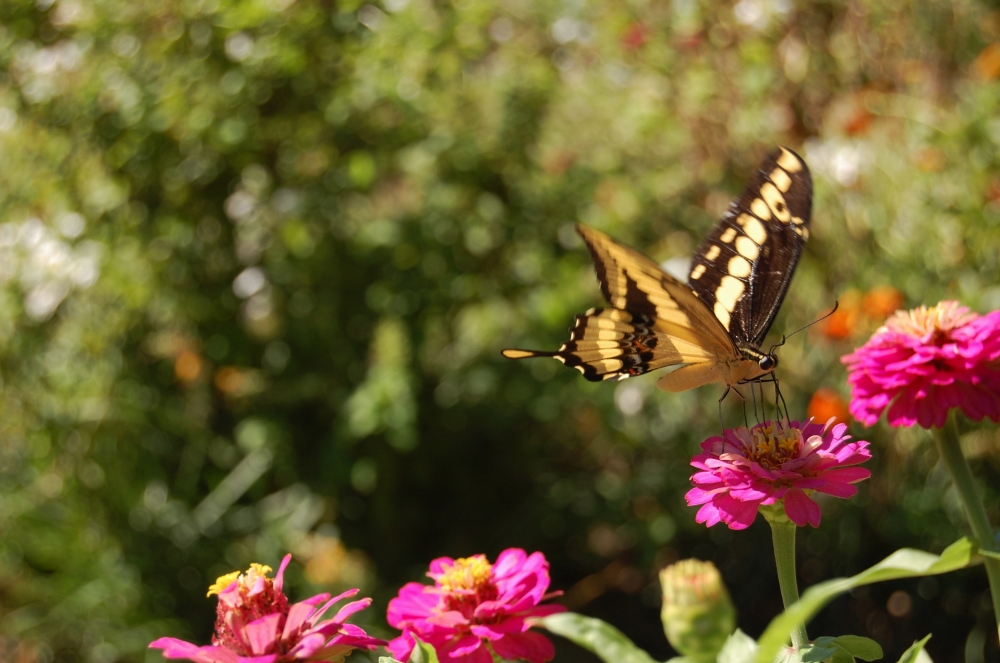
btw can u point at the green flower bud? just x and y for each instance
(698, 615)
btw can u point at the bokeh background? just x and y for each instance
(259, 257)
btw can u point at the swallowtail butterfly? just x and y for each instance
(712, 326)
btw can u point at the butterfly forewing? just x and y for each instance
(743, 268)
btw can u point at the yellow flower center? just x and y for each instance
(772, 445)
(467, 573)
(936, 320)
(246, 579)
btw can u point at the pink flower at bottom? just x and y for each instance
(774, 462)
(255, 624)
(472, 603)
(924, 362)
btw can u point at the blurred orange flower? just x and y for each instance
(987, 64)
(844, 321)
(881, 302)
(228, 379)
(187, 366)
(827, 403)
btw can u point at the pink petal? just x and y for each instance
(174, 648)
(531, 647)
(262, 634)
(279, 577)
(800, 509)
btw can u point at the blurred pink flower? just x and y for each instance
(473, 602)
(924, 362)
(255, 624)
(774, 462)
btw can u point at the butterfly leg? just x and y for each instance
(722, 425)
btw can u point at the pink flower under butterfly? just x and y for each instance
(475, 606)
(924, 362)
(774, 462)
(255, 624)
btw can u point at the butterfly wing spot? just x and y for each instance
(712, 253)
(728, 292)
(697, 272)
(747, 248)
(781, 180)
(722, 315)
(776, 202)
(739, 267)
(789, 161)
(760, 209)
(728, 236)
(755, 230)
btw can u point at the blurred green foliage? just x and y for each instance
(259, 258)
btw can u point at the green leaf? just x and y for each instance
(820, 650)
(423, 652)
(610, 644)
(916, 653)
(988, 553)
(864, 648)
(904, 563)
(387, 659)
(739, 648)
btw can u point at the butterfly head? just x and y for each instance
(767, 363)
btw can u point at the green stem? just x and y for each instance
(783, 537)
(958, 467)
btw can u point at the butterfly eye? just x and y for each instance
(768, 363)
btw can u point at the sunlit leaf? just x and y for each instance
(597, 636)
(916, 652)
(904, 563)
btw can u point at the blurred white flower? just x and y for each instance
(249, 282)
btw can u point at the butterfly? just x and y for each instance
(713, 325)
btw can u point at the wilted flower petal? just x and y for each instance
(255, 624)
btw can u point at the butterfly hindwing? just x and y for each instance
(633, 282)
(743, 268)
(613, 344)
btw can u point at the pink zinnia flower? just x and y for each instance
(925, 362)
(255, 624)
(774, 462)
(473, 602)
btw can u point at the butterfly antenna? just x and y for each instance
(836, 305)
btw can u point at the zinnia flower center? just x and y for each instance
(466, 583)
(772, 445)
(933, 324)
(253, 597)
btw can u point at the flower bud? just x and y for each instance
(698, 615)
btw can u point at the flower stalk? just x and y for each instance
(783, 538)
(950, 449)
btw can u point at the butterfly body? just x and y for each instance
(714, 325)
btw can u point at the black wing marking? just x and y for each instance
(743, 268)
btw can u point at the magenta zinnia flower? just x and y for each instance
(473, 602)
(924, 362)
(255, 624)
(774, 462)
